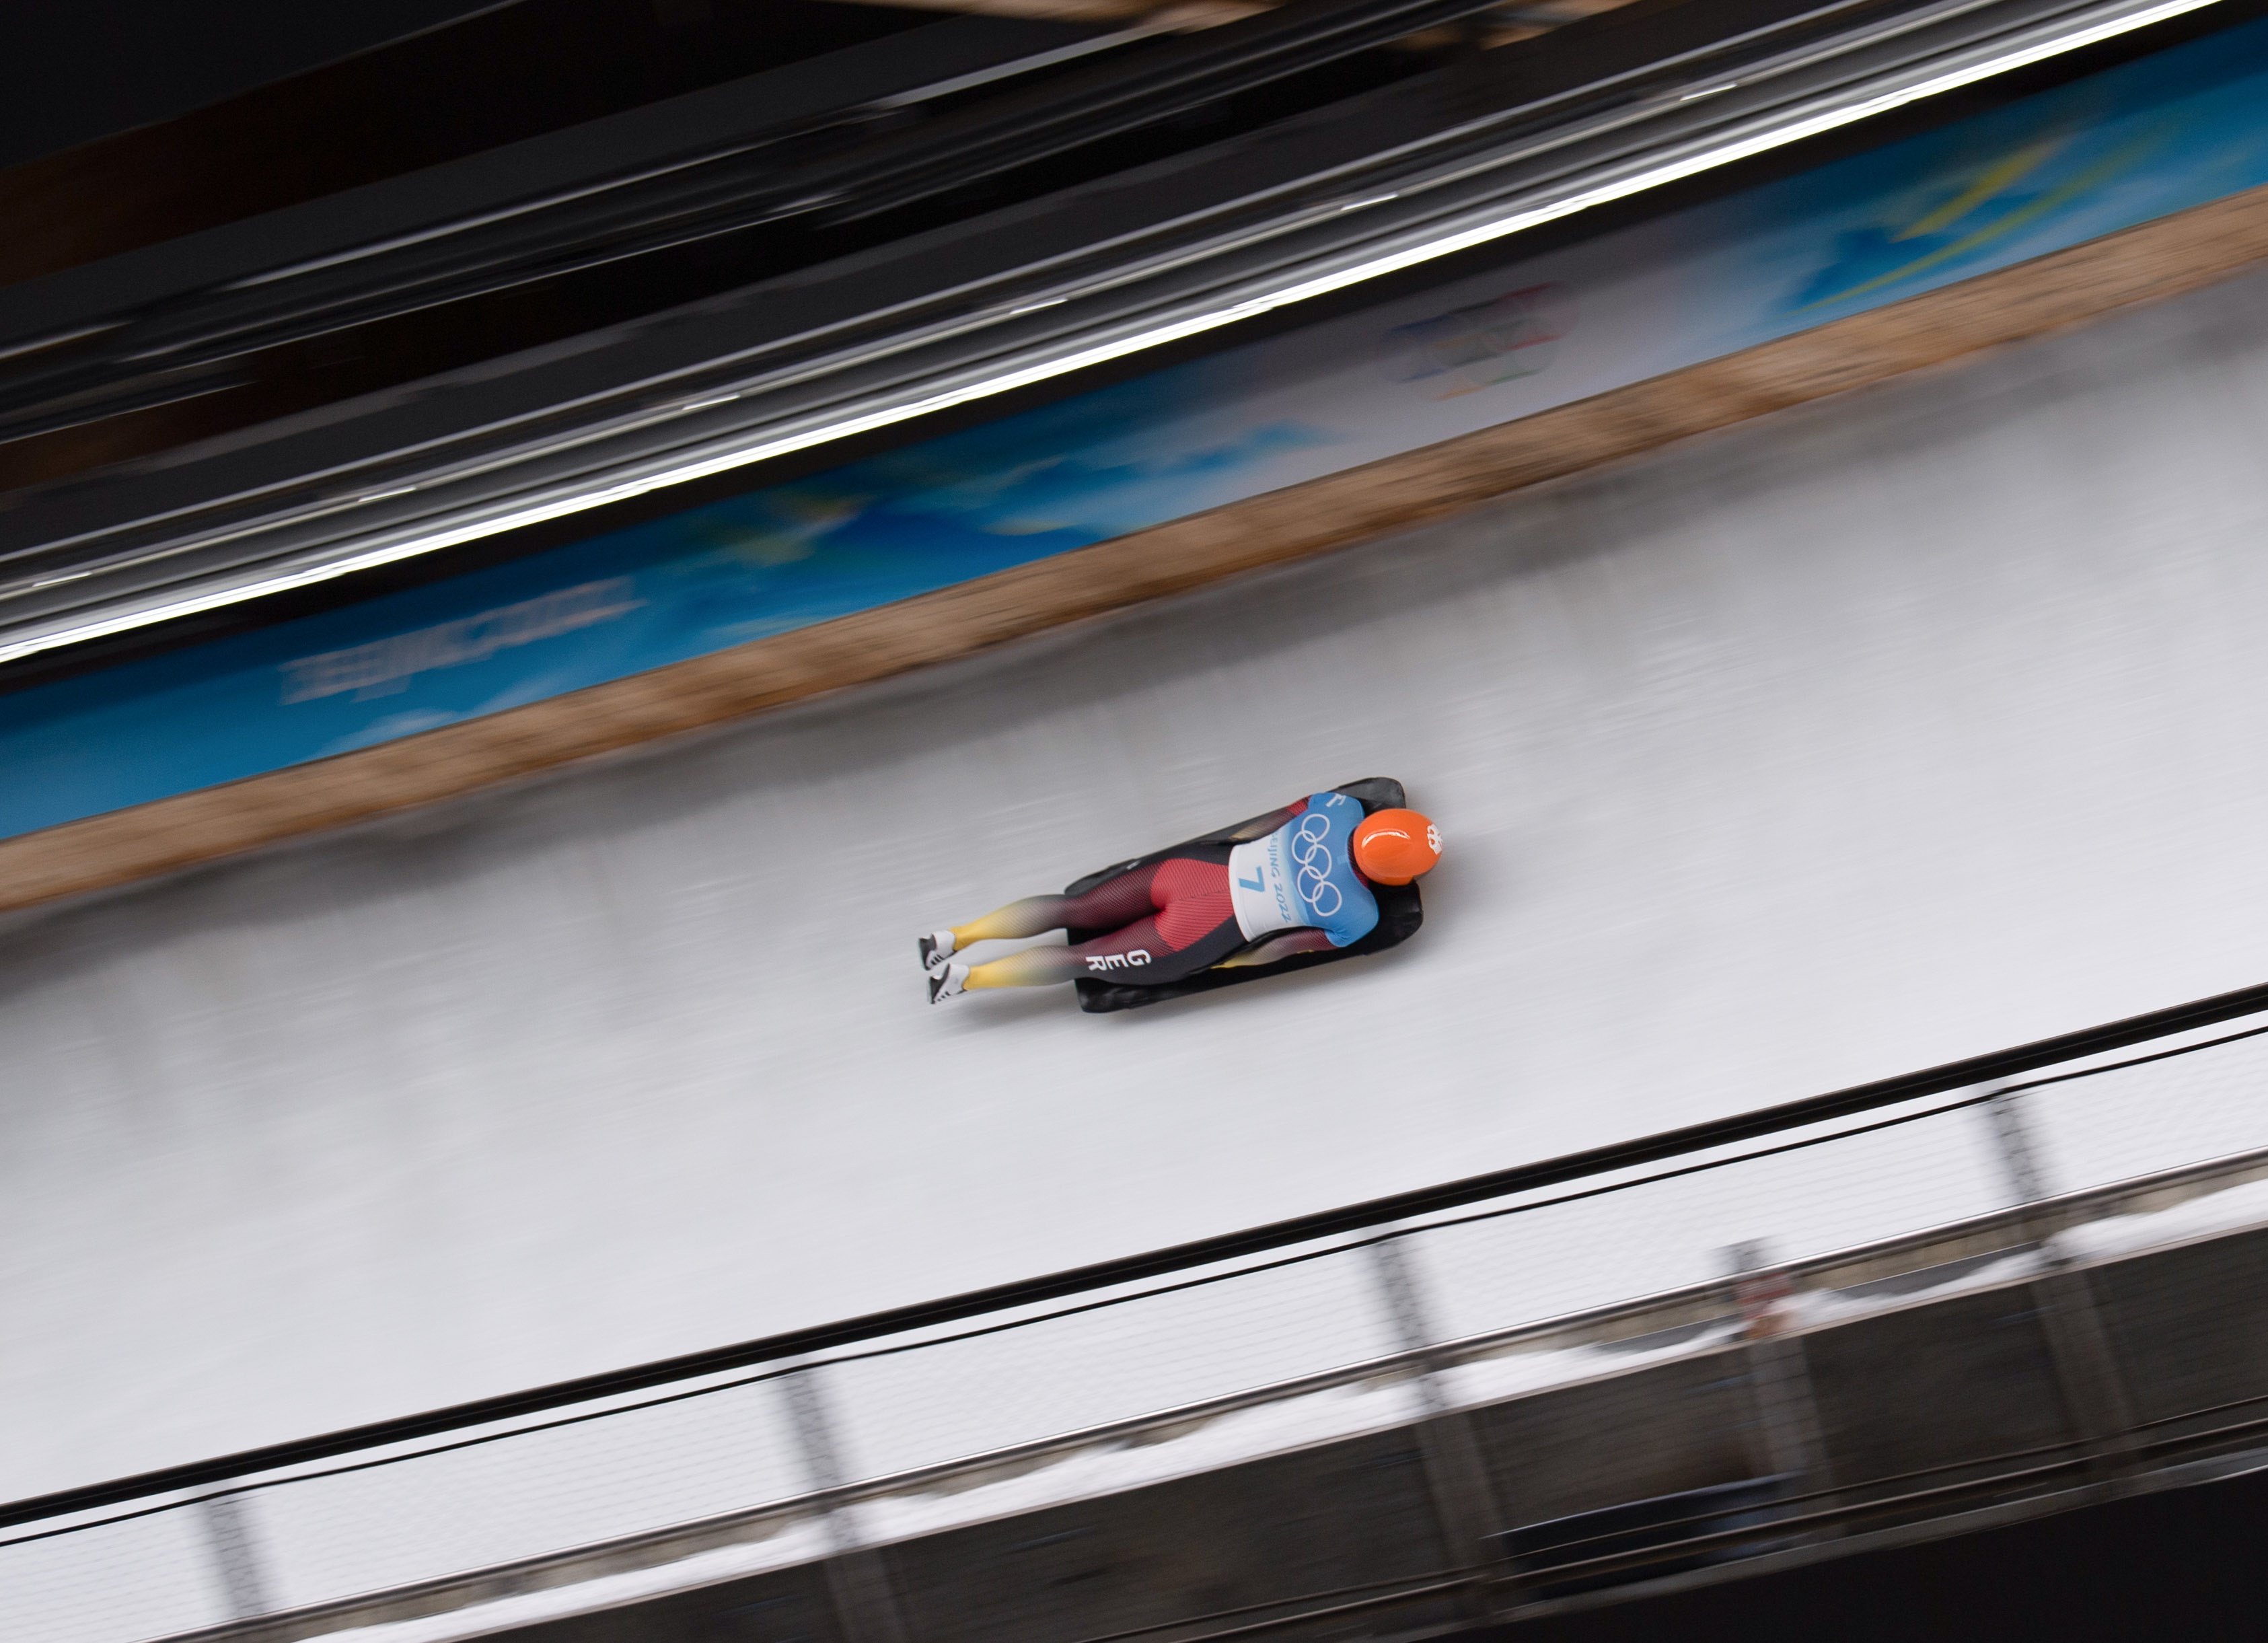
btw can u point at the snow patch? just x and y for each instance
(798, 1543)
(2232, 1209)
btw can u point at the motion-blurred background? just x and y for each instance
(542, 544)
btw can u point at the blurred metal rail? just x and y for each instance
(1991, 1069)
(817, 377)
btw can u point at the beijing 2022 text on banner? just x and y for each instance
(2135, 143)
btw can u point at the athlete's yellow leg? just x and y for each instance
(1033, 916)
(1034, 967)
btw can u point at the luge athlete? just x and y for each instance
(1295, 880)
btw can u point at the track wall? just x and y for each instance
(1905, 727)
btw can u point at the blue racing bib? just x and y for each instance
(1302, 874)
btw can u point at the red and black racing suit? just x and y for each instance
(1166, 920)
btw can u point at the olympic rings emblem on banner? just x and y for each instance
(1313, 880)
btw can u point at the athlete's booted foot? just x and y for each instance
(952, 981)
(934, 952)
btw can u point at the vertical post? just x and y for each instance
(1788, 1441)
(1760, 1288)
(1456, 1477)
(857, 1578)
(227, 1522)
(2012, 1142)
(1405, 1310)
(2087, 1373)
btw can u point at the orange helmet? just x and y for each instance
(1394, 846)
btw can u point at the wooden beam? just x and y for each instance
(2153, 261)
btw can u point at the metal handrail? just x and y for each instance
(1447, 1353)
(783, 1348)
(1101, 1276)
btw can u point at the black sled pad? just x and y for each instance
(1400, 912)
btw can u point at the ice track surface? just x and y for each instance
(1896, 729)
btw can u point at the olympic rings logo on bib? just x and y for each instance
(1313, 881)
